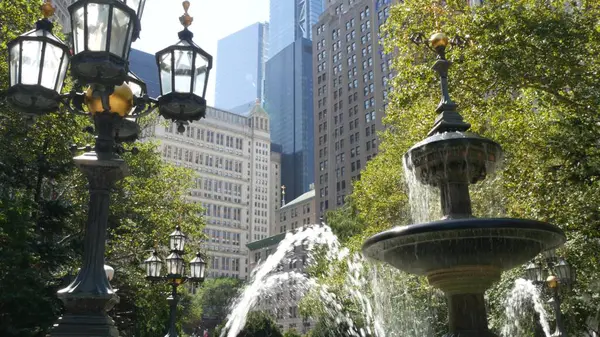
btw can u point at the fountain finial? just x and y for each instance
(448, 118)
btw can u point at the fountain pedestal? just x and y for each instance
(464, 288)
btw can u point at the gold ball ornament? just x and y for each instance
(120, 101)
(47, 9)
(438, 40)
(552, 281)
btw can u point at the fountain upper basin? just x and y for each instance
(502, 243)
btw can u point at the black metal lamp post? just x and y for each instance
(175, 273)
(543, 275)
(102, 33)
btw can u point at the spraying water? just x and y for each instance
(517, 310)
(262, 279)
(384, 303)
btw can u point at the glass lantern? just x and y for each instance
(177, 240)
(137, 6)
(534, 273)
(38, 63)
(564, 271)
(102, 32)
(197, 267)
(153, 265)
(174, 264)
(183, 72)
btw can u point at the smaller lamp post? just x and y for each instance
(175, 276)
(552, 273)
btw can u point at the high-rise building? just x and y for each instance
(61, 14)
(288, 98)
(351, 73)
(232, 155)
(291, 20)
(288, 89)
(240, 68)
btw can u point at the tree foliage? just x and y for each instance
(260, 324)
(212, 301)
(528, 79)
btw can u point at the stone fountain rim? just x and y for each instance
(451, 137)
(461, 225)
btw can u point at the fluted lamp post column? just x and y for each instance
(102, 33)
(175, 276)
(552, 274)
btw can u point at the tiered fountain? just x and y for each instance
(462, 255)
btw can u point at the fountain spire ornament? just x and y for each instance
(460, 254)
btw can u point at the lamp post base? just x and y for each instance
(86, 316)
(89, 297)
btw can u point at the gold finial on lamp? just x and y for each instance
(47, 9)
(438, 40)
(186, 20)
(552, 281)
(120, 101)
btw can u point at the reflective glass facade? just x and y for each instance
(144, 65)
(291, 20)
(240, 68)
(288, 100)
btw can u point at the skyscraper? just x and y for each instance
(288, 89)
(291, 20)
(240, 68)
(351, 74)
(288, 98)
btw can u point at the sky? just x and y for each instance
(213, 20)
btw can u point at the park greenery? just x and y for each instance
(526, 78)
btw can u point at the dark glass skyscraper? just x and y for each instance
(288, 100)
(289, 87)
(240, 66)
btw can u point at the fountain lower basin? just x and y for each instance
(500, 242)
(463, 258)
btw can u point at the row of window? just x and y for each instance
(209, 136)
(225, 263)
(224, 212)
(223, 237)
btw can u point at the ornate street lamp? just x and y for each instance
(175, 276)
(536, 273)
(183, 70)
(38, 63)
(102, 33)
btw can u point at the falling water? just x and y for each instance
(424, 199)
(518, 310)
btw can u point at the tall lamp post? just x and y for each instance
(552, 273)
(102, 33)
(175, 273)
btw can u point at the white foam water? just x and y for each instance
(264, 277)
(524, 297)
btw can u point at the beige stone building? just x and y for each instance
(237, 181)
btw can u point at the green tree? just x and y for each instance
(212, 301)
(527, 78)
(292, 333)
(260, 324)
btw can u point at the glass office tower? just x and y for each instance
(240, 66)
(288, 100)
(291, 20)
